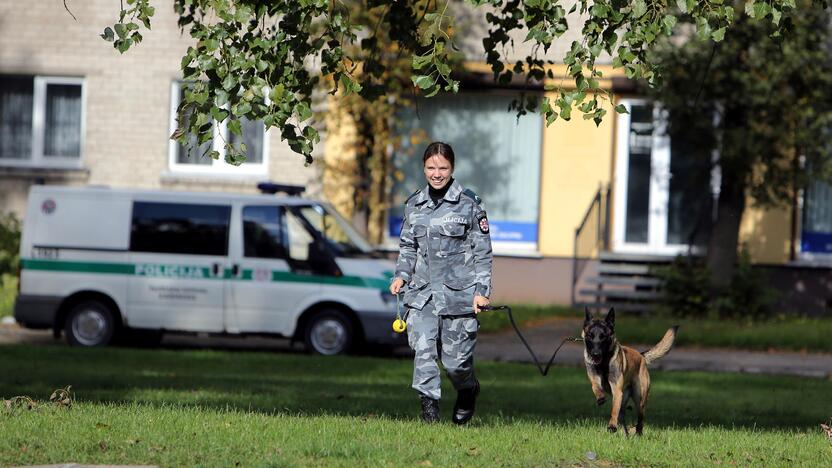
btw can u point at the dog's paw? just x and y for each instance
(611, 429)
(601, 401)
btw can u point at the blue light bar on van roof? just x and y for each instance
(272, 188)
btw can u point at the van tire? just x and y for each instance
(90, 323)
(329, 332)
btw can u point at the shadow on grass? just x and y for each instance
(356, 386)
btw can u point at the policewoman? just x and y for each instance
(444, 271)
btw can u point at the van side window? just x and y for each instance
(180, 228)
(263, 233)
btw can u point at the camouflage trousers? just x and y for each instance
(452, 338)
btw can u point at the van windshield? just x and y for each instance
(339, 233)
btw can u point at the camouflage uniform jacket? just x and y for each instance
(445, 251)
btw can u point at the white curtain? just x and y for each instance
(62, 128)
(16, 96)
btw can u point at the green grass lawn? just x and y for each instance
(787, 333)
(221, 408)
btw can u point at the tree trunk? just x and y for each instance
(722, 246)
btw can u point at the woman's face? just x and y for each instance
(438, 171)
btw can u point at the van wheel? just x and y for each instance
(329, 332)
(90, 323)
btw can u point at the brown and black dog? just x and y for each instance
(617, 369)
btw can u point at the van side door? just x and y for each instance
(179, 252)
(270, 283)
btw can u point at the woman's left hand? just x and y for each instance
(480, 301)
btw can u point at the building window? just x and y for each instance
(816, 232)
(179, 228)
(41, 121)
(497, 156)
(193, 157)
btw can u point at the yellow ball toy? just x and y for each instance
(399, 325)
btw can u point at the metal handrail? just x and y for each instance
(601, 199)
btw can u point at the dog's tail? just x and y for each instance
(662, 347)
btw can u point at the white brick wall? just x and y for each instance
(128, 99)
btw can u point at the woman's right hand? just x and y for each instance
(396, 286)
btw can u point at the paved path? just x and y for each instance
(506, 347)
(544, 337)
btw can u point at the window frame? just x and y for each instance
(36, 157)
(219, 166)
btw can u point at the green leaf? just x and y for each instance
(121, 30)
(669, 21)
(682, 5)
(639, 9)
(422, 81)
(775, 16)
(420, 61)
(235, 127)
(218, 114)
(123, 44)
(241, 109)
(303, 111)
(276, 94)
(311, 134)
(108, 34)
(229, 82)
(719, 34)
(621, 109)
(221, 97)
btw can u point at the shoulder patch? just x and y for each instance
(412, 195)
(470, 194)
(482, 222)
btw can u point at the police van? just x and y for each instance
(100, 264)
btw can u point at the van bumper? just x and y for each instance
(32, 311)
(378, 328)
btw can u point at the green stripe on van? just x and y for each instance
(79, 267)
(193, 272)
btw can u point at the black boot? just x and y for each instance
(465, 402)
(430, 410)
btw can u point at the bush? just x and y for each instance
(685, 287)
(9, 258)
(686, 290)
(9, 243)
(748, 296)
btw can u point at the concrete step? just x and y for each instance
(621, 294)
(634, 307)
(617, 257)
(624, 281)
(623, 269)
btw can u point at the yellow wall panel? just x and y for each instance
(766, 233)
(577, 159)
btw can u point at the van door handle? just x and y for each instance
(235, 269)
(215, 269)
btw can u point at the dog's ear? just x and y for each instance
(587, 316)
(610, 318)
